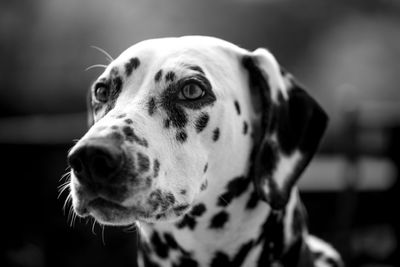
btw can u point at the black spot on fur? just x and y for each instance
(156, 168)
(151, 105)
(173, 245)
(259, 87)
(242, 253)
(237, 106)
(198, 210)
(196, 68)
(187, 221)
(180, 208)
(272, 238)
(245, 127)
(117, 81)
(159, 246)
(167, 122)
(143, 162)
(148, 181)
(202, 122)
(253, 200)
(186, 261)
(121, 116)
(170, 198)
(183, 192)
(165, 200)
(205, 168)
(181, 136)
(170, 76)
(128, 121)
(171, 242)
(204, 185)
(176, 114)
(235, 188)
(115, 84)
(218, 220)
(160, 216)
(215, 134)
(116, 136)
(132, 137)
(158, 75)
(128, 131)
(220, 259)
(131, 65)
(114, 127)
(155, 199)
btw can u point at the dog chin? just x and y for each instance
(111, 218)
(106, 212)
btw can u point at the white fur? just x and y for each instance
(182, 164)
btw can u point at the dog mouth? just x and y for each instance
(109, 212)
(109, 208)
(104, 204)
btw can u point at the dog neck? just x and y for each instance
(242, 232)
(229, 225)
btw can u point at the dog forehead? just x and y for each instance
(185, 44)
(187, 49)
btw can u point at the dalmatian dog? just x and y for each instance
(199, 143)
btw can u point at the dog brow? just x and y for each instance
(195, 68)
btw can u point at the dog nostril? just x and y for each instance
(103, 166)
(96, 160)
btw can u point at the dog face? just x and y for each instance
(175, 120)
(163, 123)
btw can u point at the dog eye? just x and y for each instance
(101, 92)
(191, 91)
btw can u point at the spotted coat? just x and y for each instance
(211, 140)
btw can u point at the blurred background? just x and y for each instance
(346, 52)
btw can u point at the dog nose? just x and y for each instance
(96, 160)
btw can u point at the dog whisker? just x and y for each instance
(110, 58)
(93, 227)
(66, 202)
(226, 202)
(65, 176)
(63, 189)
(102, 235)
(96, 66)
(60, 187)
(70, 215)
(131, 229)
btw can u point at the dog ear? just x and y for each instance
(292, 124)
(90, 116)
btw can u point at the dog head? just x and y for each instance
(171, 122)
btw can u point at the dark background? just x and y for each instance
(346, 52)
